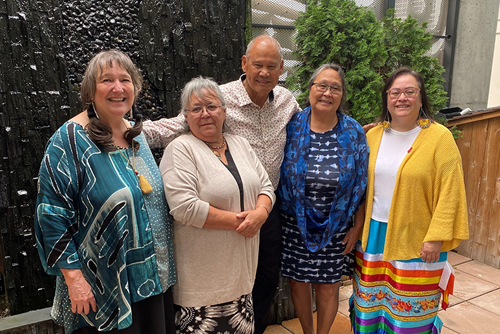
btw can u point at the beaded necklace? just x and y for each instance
(214, 149)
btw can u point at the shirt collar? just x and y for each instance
(270, 97)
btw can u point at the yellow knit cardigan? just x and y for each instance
(428, 202)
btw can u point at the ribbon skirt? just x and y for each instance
(394, 296)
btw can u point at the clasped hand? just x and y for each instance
(253, 221)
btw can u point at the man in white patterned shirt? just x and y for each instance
(259, 111)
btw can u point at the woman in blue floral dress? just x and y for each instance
(323, 180)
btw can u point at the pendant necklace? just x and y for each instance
(215, 148)
(143, 183)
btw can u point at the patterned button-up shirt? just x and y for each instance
(264, 128)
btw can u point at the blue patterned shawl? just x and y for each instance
(316, 228)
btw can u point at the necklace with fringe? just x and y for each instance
(143, 182)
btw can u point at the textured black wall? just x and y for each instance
(44, 48)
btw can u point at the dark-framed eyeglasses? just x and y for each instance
(395, 93)
(321, 88)
(198, 109)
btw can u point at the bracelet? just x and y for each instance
(265, 207)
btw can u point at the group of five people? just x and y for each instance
(254, 186)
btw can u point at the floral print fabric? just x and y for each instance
(234, 317)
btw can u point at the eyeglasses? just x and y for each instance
(198, 109)
(321, 88)
(395, 93)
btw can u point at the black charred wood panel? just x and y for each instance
(44, 48)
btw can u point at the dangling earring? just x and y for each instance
(425, 122)
(91, 113)
(386, 124)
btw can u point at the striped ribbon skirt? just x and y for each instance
(394, 296)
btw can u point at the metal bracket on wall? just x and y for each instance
(439, 36)
(275, 26)
(449, 46)
(449, 40)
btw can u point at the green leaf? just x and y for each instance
(368, 50)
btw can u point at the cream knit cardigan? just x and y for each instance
(213, 266)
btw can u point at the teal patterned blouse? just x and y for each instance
(92, 215)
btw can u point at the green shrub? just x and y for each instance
(368, 50)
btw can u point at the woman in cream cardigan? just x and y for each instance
(415, 211)
(219, 195)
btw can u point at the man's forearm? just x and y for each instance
(161, 132)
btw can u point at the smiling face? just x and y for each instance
(114, 93)
(263, 67)
(325, 102)
(206, 125)
(404, 110)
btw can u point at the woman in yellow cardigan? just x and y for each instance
(415, 211)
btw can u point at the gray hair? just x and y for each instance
(200, 87)
(273, 40)
(338, 68)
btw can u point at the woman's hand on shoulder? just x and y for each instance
(80, 292)
(367, 127)
(430, 251)
(253, 221)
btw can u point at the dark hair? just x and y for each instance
(331, 66)
(100, 133)
(425, 111)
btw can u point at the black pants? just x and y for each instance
(153, 315)
(267, 278)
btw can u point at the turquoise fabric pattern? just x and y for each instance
(316, 228)
(92, 215)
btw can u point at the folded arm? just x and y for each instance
(221, 219)
(449, 223)
(56, 223)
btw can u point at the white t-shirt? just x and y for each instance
(393, 148)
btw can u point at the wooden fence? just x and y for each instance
(480, 149)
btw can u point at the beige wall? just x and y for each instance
(476, 33)
(494, 96)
